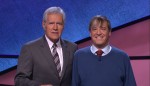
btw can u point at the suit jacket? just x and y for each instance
(36, 65)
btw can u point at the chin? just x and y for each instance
(99, 43)
(55, 37)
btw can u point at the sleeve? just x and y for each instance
(75, 74)
(24, 69)
(129, 76)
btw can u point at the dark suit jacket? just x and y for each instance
(36, 65)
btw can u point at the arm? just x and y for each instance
(129, 78)
(24, 69)
(75, 75)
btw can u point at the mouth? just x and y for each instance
(99, 37)
(54, 32)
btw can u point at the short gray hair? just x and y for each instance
(54, 10)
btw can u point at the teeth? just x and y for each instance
(99, 37)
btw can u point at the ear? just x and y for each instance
(90, 33)
(43, 25)
(109, 33)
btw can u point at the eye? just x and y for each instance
(59, 23)
(94, 28)
(51, 23)
(103, 28)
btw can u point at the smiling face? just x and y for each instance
(100, 33)
(53, 26)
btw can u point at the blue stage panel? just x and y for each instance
(20, 20)
(6, 63)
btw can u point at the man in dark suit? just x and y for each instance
(47, 61)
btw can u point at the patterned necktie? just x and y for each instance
(99, 52)
(56, 59)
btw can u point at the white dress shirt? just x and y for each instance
(105, 50)
(58, 48)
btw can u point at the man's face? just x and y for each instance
(53, 26)
(100, 34)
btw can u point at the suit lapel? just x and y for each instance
(65, 57)
(47, 54)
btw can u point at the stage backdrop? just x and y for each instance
(20, 20)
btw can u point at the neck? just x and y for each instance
(100, 46)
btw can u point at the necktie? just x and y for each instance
(99, 52)
(56, 59)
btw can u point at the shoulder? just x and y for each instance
(120, 53)
(34, 43)
(31, 46)
(69, 45)
(82, 50)
(81, 54)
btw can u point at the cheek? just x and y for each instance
(60, 30)
(49, 27)
(108, 35)
(47, 30)
(92, 34)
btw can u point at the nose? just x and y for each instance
(98, 31)
(55, 26)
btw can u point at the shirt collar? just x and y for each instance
(50, 43)
(106, 49)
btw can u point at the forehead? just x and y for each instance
(55, 16)
(97, 22)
